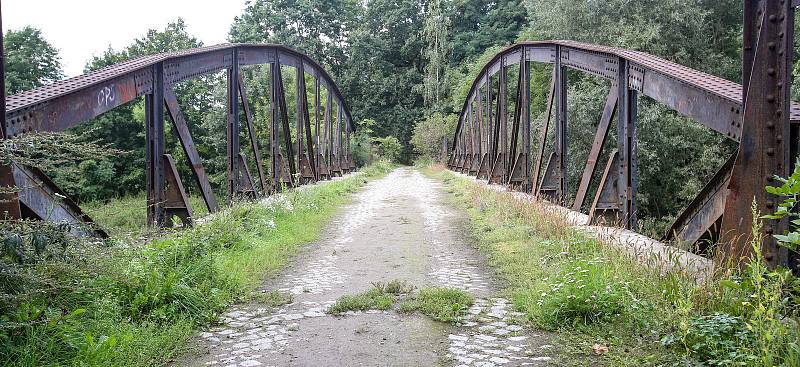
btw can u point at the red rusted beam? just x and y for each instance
(597, 147)
(766, 142)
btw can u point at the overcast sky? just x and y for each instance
(82, 28)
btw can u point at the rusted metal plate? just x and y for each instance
(764, 149)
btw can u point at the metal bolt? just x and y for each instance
(770, 151)
(770, 125)
(771, 45)
(778, 138)
(773, 18)
(771, 71)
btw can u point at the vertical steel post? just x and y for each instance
(318, 149)
(300, 124)
(329, 129)
(626, 145)
(561, 128)
(339, 150)
(503, 108)
(767, 138)
(526, 118)
(154, 129)
(233, 126)
(274, 145)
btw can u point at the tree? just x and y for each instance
(383, 75)
(31, 61)
(436, 52)
(480, 24)
(317, 28)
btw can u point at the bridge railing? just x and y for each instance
(765, 125)
(316, 154)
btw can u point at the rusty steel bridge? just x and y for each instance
(759, 117)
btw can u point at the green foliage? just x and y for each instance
(388, 148)
(717, 340)
(129, 304)
(127, 216)
(30, 60)
(317, 28)
(586, 294)
(437, 50)
(384, 70)
(790, 191)
(439, 303)
(430, 132)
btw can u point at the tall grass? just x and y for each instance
(590, 293)
(130, 304)
(127, 216)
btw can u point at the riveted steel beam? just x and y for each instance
(234, 176)
(767, 141)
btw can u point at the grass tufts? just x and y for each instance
(439, 303)
(381, 296)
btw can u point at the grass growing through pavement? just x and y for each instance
(131, 304)
(593, 296)
(381, 296)
(439, 303)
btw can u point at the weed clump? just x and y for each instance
(381, 296)
(439, 303)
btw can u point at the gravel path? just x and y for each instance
(397, 227)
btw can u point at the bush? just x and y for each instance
(429, 133)
(388, 148)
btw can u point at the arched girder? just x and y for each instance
(69, 102)
(707, 99)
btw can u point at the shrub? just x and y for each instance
(429, 133)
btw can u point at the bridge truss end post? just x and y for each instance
(627, 146)
(233, 127)
(768, 142)
(154, 130)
